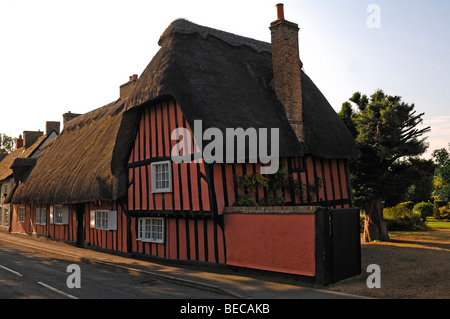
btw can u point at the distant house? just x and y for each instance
(27, 147)
(109, 180)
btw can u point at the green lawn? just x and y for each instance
(434, 223)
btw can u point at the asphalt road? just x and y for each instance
(29, 274)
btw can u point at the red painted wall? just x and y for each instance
(16, 226)
(275, 242)
(62, 232)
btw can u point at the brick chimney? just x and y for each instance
(287, 69)
(19, 142)
(29, 137)
(52, 127)
(69, 116)
(125, 89)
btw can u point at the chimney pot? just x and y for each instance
(68, 117)
(280, 11)
(19, 142)
(127, 88)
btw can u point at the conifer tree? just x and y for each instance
(386, 130)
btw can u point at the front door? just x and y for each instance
(79, 210)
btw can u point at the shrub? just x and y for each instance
(403, 217)
(244, 200)
(424, 209)
(390, 213)
(436, 209)
(399, 211)
(444, 212)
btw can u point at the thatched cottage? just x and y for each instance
(28, 147)
(110, 180)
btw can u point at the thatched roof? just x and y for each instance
(22, 152)
(226, 81)
(217, 77)
(76, 167)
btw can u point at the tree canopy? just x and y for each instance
(387, 132)
(6, 143)
(442, 174)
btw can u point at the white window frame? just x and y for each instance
(160, 185)
(22, 213)
(41, 215)
(59, 214)
(151, 229)
(103, 219)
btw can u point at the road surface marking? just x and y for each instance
(12, 271)
(56, 290)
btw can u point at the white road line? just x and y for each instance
(58, 291)
(10, 270)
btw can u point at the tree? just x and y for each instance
(6, 143)
(442, 174)
(409, 180)
(386, 131)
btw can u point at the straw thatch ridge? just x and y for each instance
(76, 167)
(226, 81)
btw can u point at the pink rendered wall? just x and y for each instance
(275, 242)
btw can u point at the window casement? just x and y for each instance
(161, 176)
(151, 230)
(59, 214)
(22, 214)
(103, 219)
(41, 215)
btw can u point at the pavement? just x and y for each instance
(235, 283)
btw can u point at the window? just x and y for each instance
(161, 177)
(21, 214)
(151, 230)
(59, 214)
(41, 215)
(103, 219)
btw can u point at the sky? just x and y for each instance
(63, 55)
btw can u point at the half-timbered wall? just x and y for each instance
(115, 240)
(153, 144)
(69, 230)
(191, 227)
(30, 225)
(329, 176)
